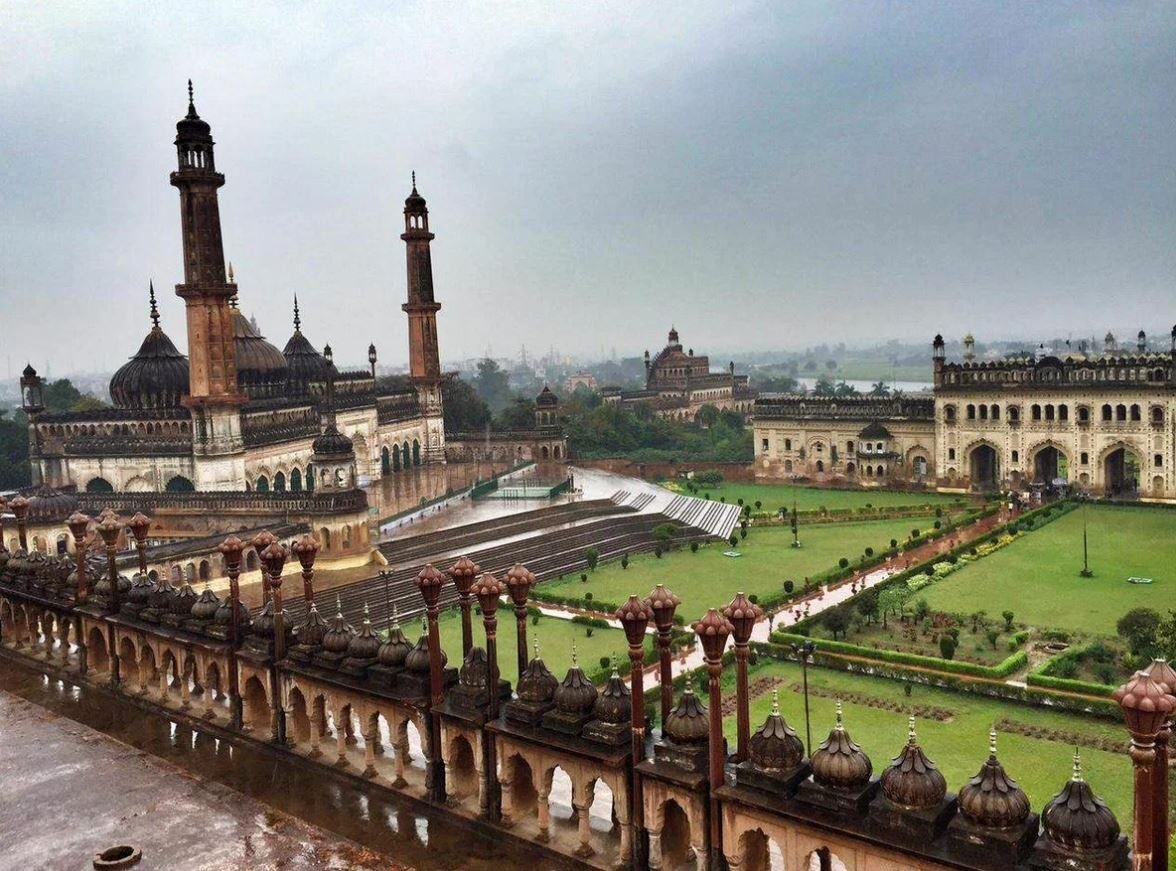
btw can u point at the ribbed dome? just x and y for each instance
(366, 644)
(224, 614)
(206, 606)
(615, 705)
(475, 671)
(688, 722)
(337, 639)
(536, 684)
(775, 747)
(912, 780)
(161, 596)
(839, 763)
(992, 798)
(47, 505)
(418, 658)
(415, 202)
(546, 398)
(156, 377)
(393, 651)
(313, 628)
(191, 126)
(304, 364)
(332, 443)
(575, 695)
(182, 602)
(1077, 818)
(264, 624)
(261, 368)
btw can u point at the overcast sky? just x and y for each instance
(762, 175)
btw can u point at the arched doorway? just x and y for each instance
(985, 468)
(1121, 473)
(295, 480)
(99, 485)
(179, 484)
(675, 836)
(385, 461)
(1049, 465)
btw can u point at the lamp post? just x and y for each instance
(634, 616)
(429, 583)
(488, 589)
(1086, 572)
(306, 549)
(274, 560)
(804, 651)
(795, 519)
(713, 630)
(20, 509)
(109, 529)
(519, 582)
(463, 573)
(663, 604)
(231, 549)
(1146, 705)
(743, 615)
(1164, 674)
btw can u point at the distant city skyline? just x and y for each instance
(755, 176)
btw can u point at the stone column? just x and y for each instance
(1162, 672)
(634, 617)
(507, 815)
(429, 583)
(655, 850)
(544, 819)
(584, 850)
(742, 614)
(399, 761)
(340, 741)
(1146, 705)
(713, 630)
(369, 753)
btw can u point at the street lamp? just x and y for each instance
(804, 651)
(1086, 572)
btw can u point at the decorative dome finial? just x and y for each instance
(775, 702)
(574, 660)
(535, 647)
(232, 278)
(297, 317)
(912, 739)
(338, 605)
(154, 309)
(414, 190)
(992, 740)
(191, 102)
(840, 724)
(613, 658)
(1076, 777)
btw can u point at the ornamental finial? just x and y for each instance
(912, 740)
(297, 318)
(191, 101)
(775, 702)
(992, 741)
(840, 725)
(154, 309)
(1077, 775)
(414, 181)
(574, 662)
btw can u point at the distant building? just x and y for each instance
(678, 384)
(581, 379)
(1101, 422)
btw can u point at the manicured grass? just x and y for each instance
(555, 638)
(709, 579)
(958, 746)
(775, 496)
(1037, 577)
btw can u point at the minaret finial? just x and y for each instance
(1077, 776)
(191, 101)
(535, 647)
(775, 702)
(414, 181)
(575, 663)
(912, 739)
(297, 319)
(992, 741)
(840, 726)
(232, 278)
(615, 673)
(154, 309)
(339, 604)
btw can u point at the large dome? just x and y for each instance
(261, 368)
(156, 377)
(304, 364)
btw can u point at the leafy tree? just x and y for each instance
(625, 561)
(947, 647)
(592, 557)
(868, 605)
(694, 547)
(1008, 618)
(843, 562)
(14, 454)
(880, 388)
(993, 636)
(789, 586)
(733, 540)
(464, 409)
(922, 610)
(519, 414)
(492, 384)
(837, 622)
(1138, 627)
(61, 395)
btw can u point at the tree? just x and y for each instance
(14, 454)
(868, 605)
(880, 388)
(824, 387)
(492, 384)
(61, 395)
(789, 586)
(992, 636)
(694, 547)
(733, 540)
(837, 622)
(891, 600)
(947, 647)
(1008, 618)
(922, 610)
(519, 414)
(464, 409)
(843, 562)
(625, 561)
(1138, 627)
(592, 557)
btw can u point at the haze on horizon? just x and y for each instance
(761, 175)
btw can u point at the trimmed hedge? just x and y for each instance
(1010, 664)
(1068, 685)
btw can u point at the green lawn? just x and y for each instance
(709, 579)
(555, 638)
(957, 746)
(1037, 576)
(774, 496)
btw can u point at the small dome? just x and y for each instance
(393, 651)
(141, 587)
(546, 398)
(192, 126)
(332, 443)
(475, 671)
(313, 629)
(414, 203)
(30, 372)
(992, 798)
(206, 606)
(47, 505)
(160, 597)
(536, 684)
(304, 364)
(1077, 818)
(576, 695)
(264, 624)
(156, 377)
(337, 639)
(775, 747)
(912, 780)
(418, 658)
(261, 368)
(688, 722)
(839, 763)
(615, 704)
(366, 644)
(184, 599)
(224, 614)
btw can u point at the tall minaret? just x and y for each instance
(213, 395)
(424, 362)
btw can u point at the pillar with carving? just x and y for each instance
(306, 549)
(519, 582)
(634, 616)
(231, 549)
(1162, 671)
(1146, 705)
(713, 630)
(663, 604)
(463, 573)
(742, 614)
(488, 589)
(429, 583)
